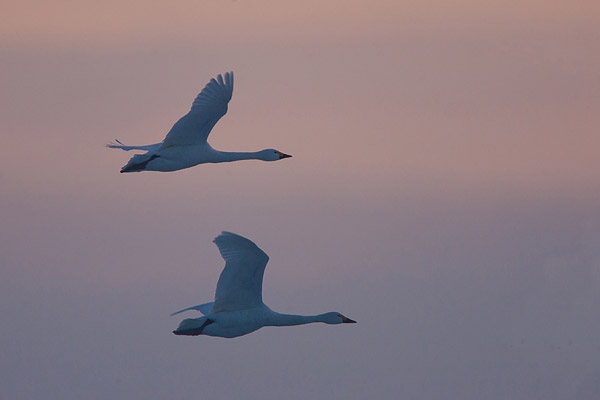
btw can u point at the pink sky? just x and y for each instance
(484, 96)
(444, 189)
(112, 22)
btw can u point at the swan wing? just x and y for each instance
(208, 107)
(240, 284)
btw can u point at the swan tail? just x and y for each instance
(203, 308)
(138, 162)
(117, 144)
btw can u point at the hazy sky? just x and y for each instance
(443, 192)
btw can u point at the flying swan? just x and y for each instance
(185, 145)
(238, 308)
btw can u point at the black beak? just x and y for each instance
(347, 320)
(283, 155)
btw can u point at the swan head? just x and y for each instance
(335, 318)
(272, 155)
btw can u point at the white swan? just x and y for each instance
(238, 308)
(185, 145)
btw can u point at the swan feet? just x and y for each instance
(138, 166)
(192, 331)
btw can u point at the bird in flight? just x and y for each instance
(238, 308)
(186, 143)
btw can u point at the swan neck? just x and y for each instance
(224, 156)
(291, 319)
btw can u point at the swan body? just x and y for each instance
(238, 308)
(186, 143)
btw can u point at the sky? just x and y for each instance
(443, 192)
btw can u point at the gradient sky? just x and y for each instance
(443, 192)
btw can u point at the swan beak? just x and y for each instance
(282, 155)
(346, 320)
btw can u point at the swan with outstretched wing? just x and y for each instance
(238, 308)
(186, 143)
